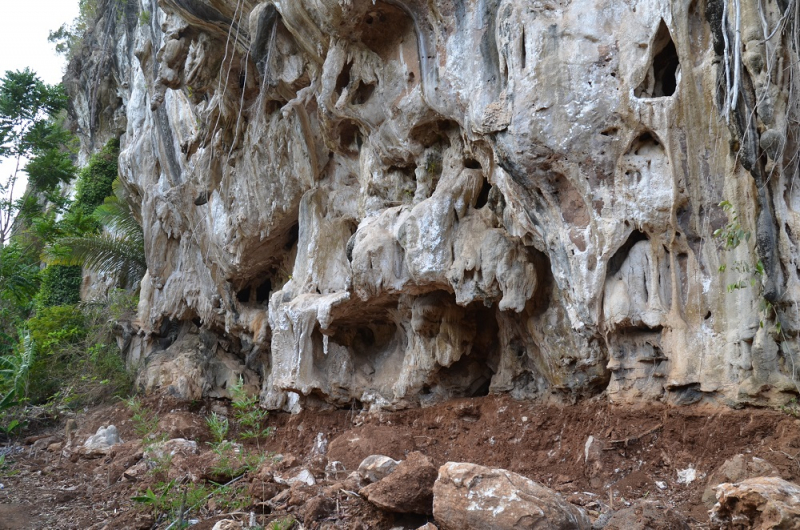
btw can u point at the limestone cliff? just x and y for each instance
(393, 202)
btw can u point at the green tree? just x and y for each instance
(31, 136)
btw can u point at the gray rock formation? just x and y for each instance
(394, 202)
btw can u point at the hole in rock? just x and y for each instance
(291, 237)
(471, 375)
(483, 196)
(373, 343)
(263, 39)
(661, 78)
(349, 136)
(386, 27)
(363, 93)
(263, 290)
(685, 394)
(708, 315)
(644, 142)
(432, 133)
(471, 163)
(344, 78)
(244, 295)
(615, 263)
(355, 405)
(543, 295)
(683, 276)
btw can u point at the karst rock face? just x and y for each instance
(394, 202)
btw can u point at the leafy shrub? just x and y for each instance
(95, 181)
(61, 285)
(75, 359)
(55, 332)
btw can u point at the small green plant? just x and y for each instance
(731, 236)
(168, 498)
(234, 459)
(232, 497)
(218, 425)
(13, 426)
(792, 408)
(145, 424)
(144, 17)
(282, 524)
(248, 413)
(15, 374)
(145, 421)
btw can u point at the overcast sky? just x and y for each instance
(24, 26)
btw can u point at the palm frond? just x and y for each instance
(116, 217)
(104, 253)
(118, 251)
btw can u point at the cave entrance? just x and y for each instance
(661, 79)
(470, 376)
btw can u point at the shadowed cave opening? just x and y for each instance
(483, 196)
(661, 78)
(255, 293)
(343, 80)
(471, 375)
(619, 257)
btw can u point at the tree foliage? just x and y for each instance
(32, 136)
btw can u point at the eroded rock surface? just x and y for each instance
(391, 203)
(736, 469)
(762, 503)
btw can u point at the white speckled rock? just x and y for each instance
(469, 496)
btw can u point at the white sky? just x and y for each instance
(24, 27)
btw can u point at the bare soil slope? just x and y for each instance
(600, 456)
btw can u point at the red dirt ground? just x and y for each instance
(633, 447)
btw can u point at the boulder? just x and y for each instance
(736, 469)
(409, 489)
(102, 441)
(469, 496)
(317, 509)
(182, 424)
(172, 448)
(304, 476)
(761, 503)
(376, 467)
(646, 515)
